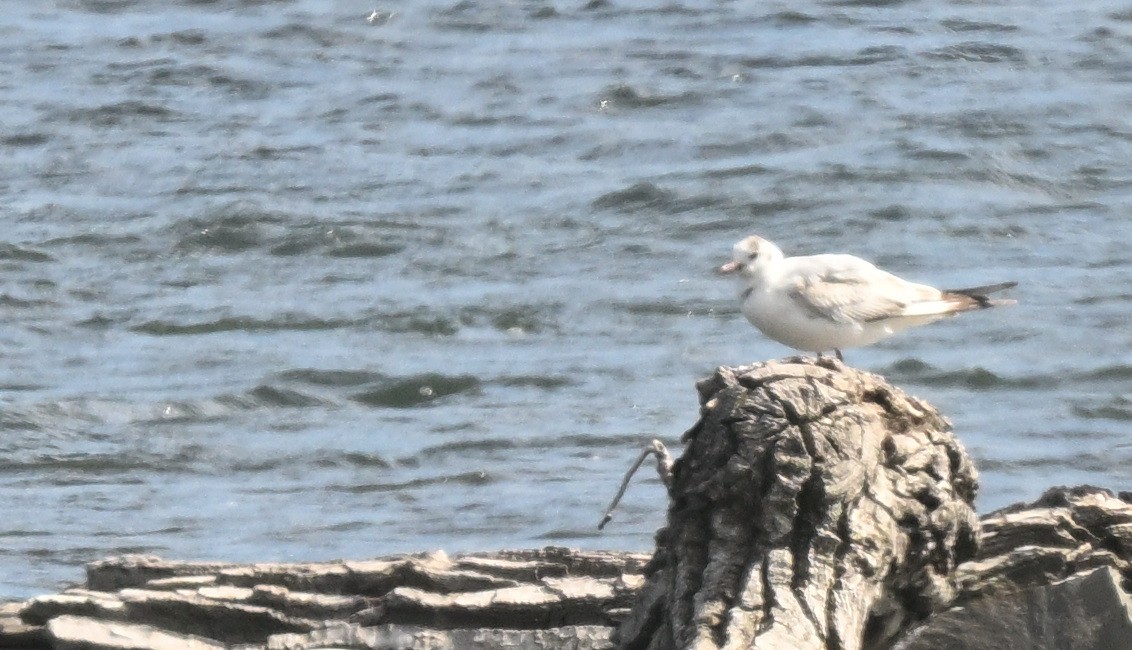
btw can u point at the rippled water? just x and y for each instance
(283, 283)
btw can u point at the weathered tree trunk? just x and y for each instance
(813, 504)
(1052, 574)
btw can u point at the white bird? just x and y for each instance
(819, 303)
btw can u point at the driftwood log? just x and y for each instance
(548, 598)
(814, 506)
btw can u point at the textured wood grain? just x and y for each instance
(813, 503)
(814, 506)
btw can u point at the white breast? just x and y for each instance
(785, 321)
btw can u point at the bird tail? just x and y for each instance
(977, 297)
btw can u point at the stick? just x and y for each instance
(663, 470)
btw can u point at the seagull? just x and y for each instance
(818, 303)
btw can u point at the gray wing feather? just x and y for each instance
(862, 293)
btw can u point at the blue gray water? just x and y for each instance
(281, 283)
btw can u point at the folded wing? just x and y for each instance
(847, 290)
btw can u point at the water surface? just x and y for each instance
(281, 283)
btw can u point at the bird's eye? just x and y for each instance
(752, 256)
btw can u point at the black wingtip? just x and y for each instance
(983, 291)
(979, 294)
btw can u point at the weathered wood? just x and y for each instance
(221, 618)
(542, 598)
(120, 572)
(1087, 610)
(663, 470)
(438, 571)
(305, 605)
(815, 506)
(80, 633)
(554, 602)
(74, 602)
(1067, 531)
(1048, 575)
(413, 637)
(812, 500)
(16, 633)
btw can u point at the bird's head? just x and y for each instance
(750, 255)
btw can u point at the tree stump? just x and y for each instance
(815, 506)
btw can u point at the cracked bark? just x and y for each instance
(815, 506)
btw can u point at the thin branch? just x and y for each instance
(663, 470)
